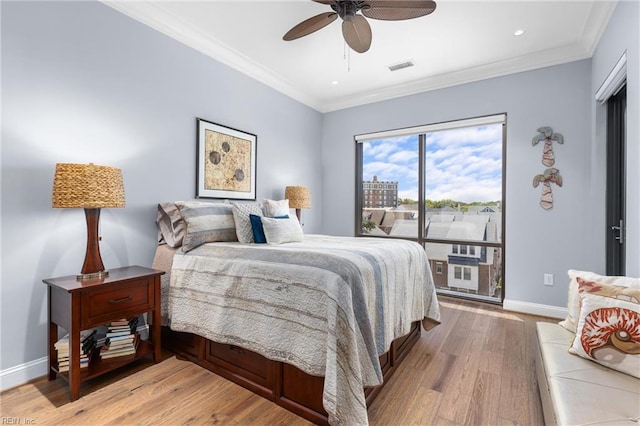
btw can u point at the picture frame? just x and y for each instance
(225, 162)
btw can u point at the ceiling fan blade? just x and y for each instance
(357, 33)
(310, 25)
(324, 1)
(396, 10)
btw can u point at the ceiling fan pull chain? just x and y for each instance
(346, 55)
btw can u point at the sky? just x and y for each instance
(461, 164)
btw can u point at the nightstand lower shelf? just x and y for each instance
(99, 366)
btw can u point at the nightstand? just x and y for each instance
(77, 305)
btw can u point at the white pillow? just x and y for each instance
(273, 208)
(573, 305)
(278, 231)
(241, 212)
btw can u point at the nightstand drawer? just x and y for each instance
(126, 299)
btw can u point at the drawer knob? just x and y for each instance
(116, 301)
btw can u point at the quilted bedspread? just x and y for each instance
(328, 305)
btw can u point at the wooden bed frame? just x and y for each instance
(279, 382)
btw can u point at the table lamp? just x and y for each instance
(299, 198)
(90, 187)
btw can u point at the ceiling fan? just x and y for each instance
(355, 28)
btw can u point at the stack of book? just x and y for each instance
(120, 338)
(87, 346)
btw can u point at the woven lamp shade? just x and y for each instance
(87, 186)
(299, 197)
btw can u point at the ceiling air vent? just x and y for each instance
(401, 65)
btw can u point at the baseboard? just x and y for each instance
(23, 373)
(534, 309)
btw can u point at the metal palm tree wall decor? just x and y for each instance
(552, 174)
(548, 136)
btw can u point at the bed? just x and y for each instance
(315, 324)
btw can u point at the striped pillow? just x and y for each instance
(206, 223)
(170, 225)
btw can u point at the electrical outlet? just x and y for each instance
(548, 279)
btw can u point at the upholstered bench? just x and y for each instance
(588, 365)
(576, 391)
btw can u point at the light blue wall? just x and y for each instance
(83, 83)
(537, 241)
(622, 34)
(571, 236)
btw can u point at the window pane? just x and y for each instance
(463, 170)
(390, 178)
(467, 274)
(483, 277)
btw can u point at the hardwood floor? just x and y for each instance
(476, 368)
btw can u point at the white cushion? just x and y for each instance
(273, 208)
(241, 212)
(278, 231)
(581, 391)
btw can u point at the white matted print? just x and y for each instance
(226, 162)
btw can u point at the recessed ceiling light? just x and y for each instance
(518, 33)
(334, 82)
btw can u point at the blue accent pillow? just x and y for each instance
(258, 231)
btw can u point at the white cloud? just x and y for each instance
(461, 164)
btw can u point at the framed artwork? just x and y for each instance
(226, 162)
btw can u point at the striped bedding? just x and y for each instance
(328, 305)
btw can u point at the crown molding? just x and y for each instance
(596, 23)
(530, 62)
(152, 14)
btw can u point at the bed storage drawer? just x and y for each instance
(252, 365)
